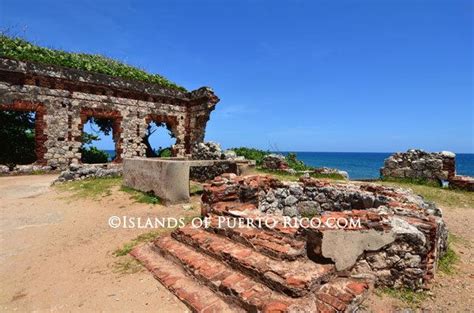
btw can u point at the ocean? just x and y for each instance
(362, 165)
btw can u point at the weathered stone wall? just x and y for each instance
(399, 241)
(212, 151)
(419, 164)
(63, 99)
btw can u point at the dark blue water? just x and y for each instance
(361, 165)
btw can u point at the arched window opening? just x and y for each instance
(159, 140)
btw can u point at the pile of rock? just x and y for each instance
(278, 162)
(24, 169)
(212, 151)
(418, 164)
(275, 162)
(83, 171)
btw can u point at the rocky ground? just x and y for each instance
(58, 253)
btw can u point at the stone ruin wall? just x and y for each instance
(64, 99)
(417, 230)
(418, 164)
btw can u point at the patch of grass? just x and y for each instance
(146, 237)
(91, 188)
(141, 197)
(282, 175)
(195, 188)
(335, 176)
(412, 181)
(447, 198)
(127, 266)
(408, 296)
(446, 264)
(20, 49)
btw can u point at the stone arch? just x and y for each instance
(40, 125)
(113, 115)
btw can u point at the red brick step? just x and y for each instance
(230, 284)
(197, 297)
(264, 241)
(295, 278)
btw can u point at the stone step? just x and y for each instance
(169, 260)
(294, 278)
(267, 242)
(196, 296)
(230, 284)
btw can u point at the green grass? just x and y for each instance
(141, 197)
(408, 296)
(20, 49)
(146, 237)
(195, 188)
(127, 266)
(447, 263)
(285, 176)
(91, 188)
(447, 198)
(100, 187)
(412, 181)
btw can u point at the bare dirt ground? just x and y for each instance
(57, 255)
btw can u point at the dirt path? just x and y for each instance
(56, 253)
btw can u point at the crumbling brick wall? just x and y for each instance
(63, 99)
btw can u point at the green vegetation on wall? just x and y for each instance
(20, 49)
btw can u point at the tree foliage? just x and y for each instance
(17, 138)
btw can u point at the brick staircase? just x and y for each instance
(222, 268)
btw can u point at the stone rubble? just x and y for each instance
(278, 162)
(212, 151)
(85, 171)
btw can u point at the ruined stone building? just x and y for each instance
(63, 100)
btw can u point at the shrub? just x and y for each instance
(164, 153)
(251, 154)
(93, 155)
(296, 164)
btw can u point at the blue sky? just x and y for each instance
(332, 75)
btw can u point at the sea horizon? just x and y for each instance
(360, 165)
